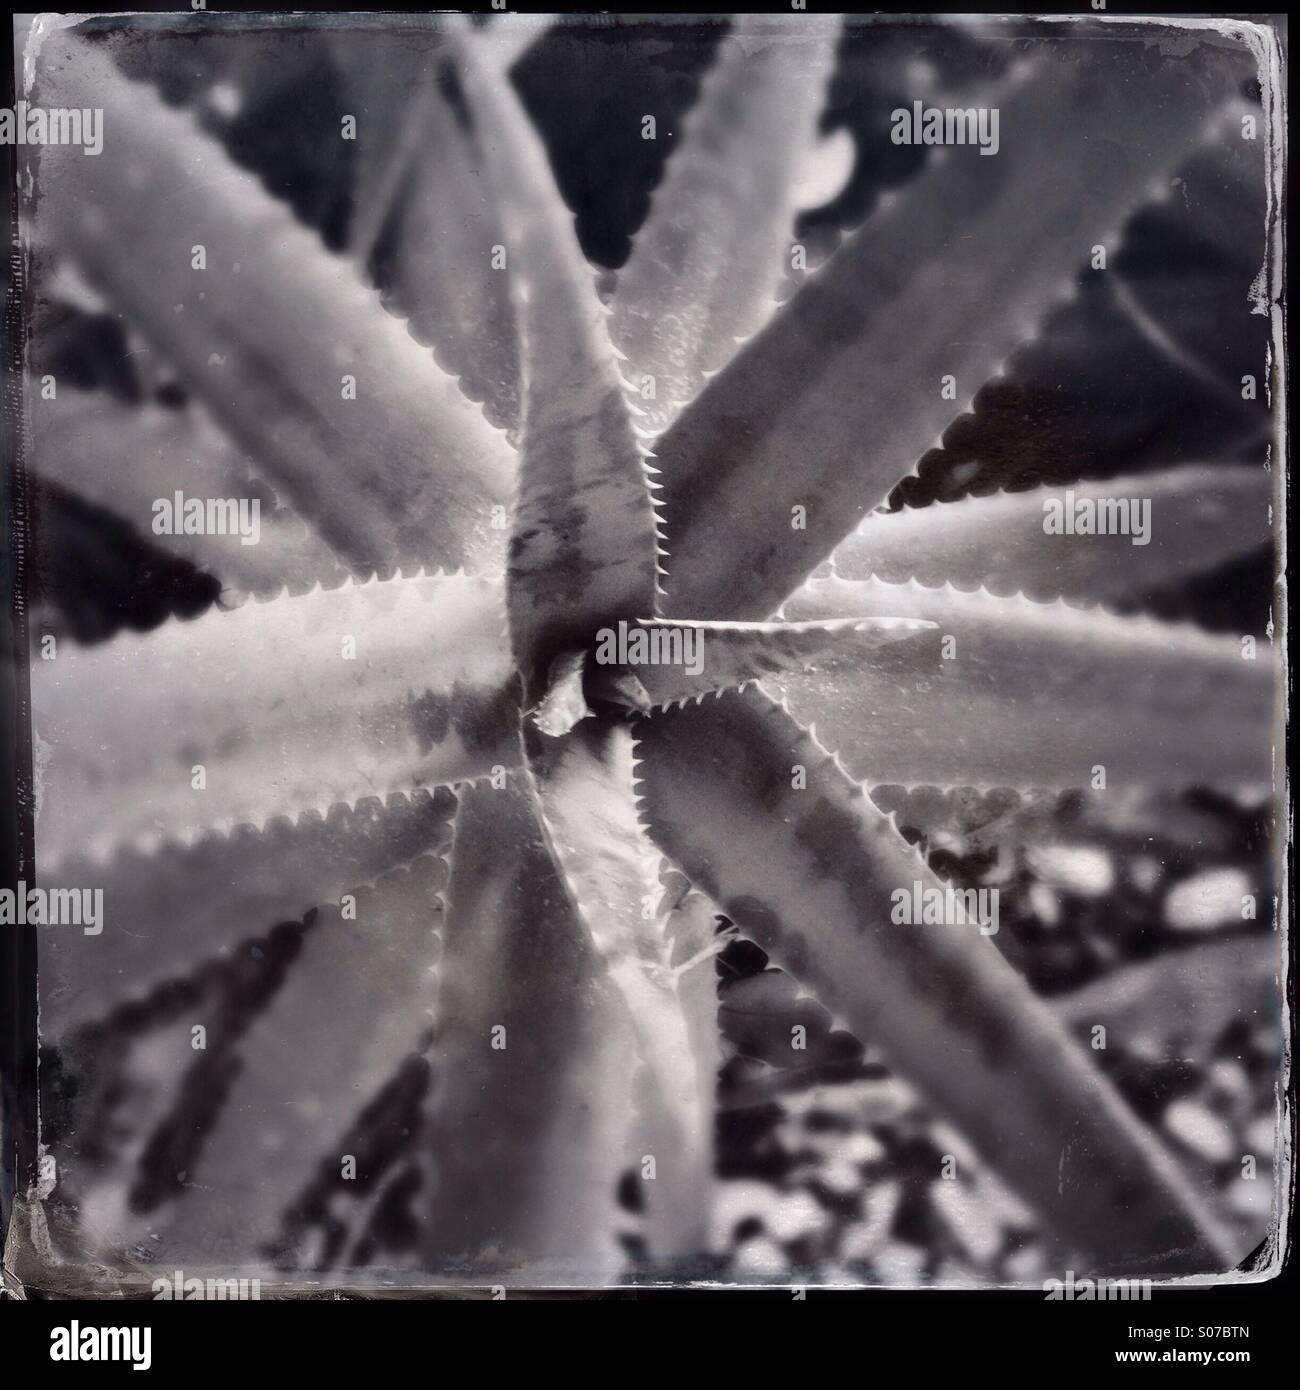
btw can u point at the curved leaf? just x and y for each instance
(1197, 518)
(287, 706)
(127, 458)
(353, 1004)
(1038, 695)
(183, 908)
(1183, 1000)
(686, 660)
(334, 400)
(706, 264)
(582, 547)
(531, 1126)
(423, 186)
(842, 393)
(812, 873)
(586, 791)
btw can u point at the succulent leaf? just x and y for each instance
(582, 547)
(299, 1078)
(1198, 517)
(1203, 989)
(532, 1132)
(127, 458)
(855, 363)
(707, 262)
(691, 929)
(1038, 695)
(289, 705)
(723, 656)
(170, 910)
(1128, 376)
(335, 402)
(424, 187)
(811, 874)
(587, 794)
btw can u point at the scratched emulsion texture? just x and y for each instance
(438, 949)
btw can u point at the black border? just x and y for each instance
(979, 1332)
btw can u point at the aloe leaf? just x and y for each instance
(761, 1008)
(287, 706)
(968, 820)
(1184, 259)
(1038, 696)
(1199, 517)
(831, 404)
(386, 84)
(691, 929)
(168, 911)
(706, 264)
(127, 458)
(811, 874)
(387, 72)
(123, 1100)
(587, 794)
(349, 1010)
(1181, 1002)
(1136, 822)
(423, 184)
(531, 1113)
(582, 548)
(334, 400)
(368, 1220)
(145, 1090)
(565, 701)
(1145, 366)
(686, 660)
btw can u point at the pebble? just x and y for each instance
(1026, 1265)
(1261, 1138)
(792, 1137)
(951, 1141)
(1264, 1042)
(1004, 1203)
(835, 1275)
(839, 1176)
(1145, 873)
(225, 99)
(1084, 870)
(799, 1103)
(862, 1239)
(796, 1216)
(883, 1102)
(1210, 899)
(897, 1263)
(860, 1148)
(1251, 1197)
(1200, 1130)
(1229, 1082)
(969, 1219)
(1046, 906)
(954, 1274)
(759, 1259)
(734, 1202)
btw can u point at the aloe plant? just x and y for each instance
(519, 856)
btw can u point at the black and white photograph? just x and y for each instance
(645, 656)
